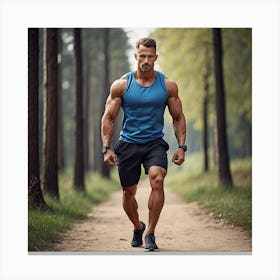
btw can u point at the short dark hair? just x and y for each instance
(147, 42)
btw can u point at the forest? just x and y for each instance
(70, 71)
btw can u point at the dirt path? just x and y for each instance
(183, 227)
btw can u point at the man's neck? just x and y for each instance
(145, 76)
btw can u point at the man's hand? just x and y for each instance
(179, 157)
(110, 158)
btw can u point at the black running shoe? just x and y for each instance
(137, 236)
(150, 243)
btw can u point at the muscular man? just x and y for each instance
(143, 96)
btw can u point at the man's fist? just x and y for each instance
(179, 157)
(110, 158)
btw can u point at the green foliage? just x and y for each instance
(47, 224)
(184, 56)
(232, 205)
(238, 70)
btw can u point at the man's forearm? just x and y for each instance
(107, 128)
(179, 126)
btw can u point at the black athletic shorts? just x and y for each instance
(131, 156)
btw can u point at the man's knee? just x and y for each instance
(157, 175)
(129, 192)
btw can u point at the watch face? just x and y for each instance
(104, 149)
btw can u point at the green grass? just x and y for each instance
(46, 225)
(234, 205)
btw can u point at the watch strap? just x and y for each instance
(184, 147)
(104, 149)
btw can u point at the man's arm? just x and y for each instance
(179, 122)
(112, 108)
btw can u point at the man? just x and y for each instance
(143, 96)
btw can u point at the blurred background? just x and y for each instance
(70, 71)
(185, 56)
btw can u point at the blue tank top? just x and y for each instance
(143, 109)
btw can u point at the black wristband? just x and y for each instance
(104, 149)
(184, 147)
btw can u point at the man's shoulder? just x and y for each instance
(118, 86)
(171, 86)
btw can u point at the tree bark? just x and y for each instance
(224, 169)
(205, 133)
(35, 196)
(105, 171)
(86, 104)
(59, 105)
(50, 166)
(215, 143)
(79, 153)
(205, 117)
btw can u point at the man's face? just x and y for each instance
(146, 58)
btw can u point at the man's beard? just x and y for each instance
(146, 67)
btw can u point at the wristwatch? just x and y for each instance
(184, 147)
(104, 149)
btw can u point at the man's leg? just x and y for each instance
(156, 199)
(130, 206)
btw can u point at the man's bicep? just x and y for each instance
(112, 107)
(175, 106)
(114, 100)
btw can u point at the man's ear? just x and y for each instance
(135, 56)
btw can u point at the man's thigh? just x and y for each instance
(156, 155)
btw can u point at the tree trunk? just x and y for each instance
(59, 105)
(249, 139)
(205, 133)
(205, 117)
(86, 104)
(105, 171)
(79, 153)
(215, 144)
(35, 196)
(224, 169)
(50, 169)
